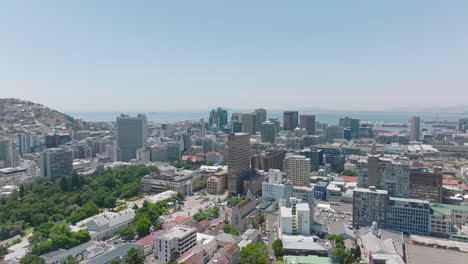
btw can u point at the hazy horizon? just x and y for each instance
(148, 56)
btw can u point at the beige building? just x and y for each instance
(297, 169)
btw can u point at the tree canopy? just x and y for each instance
(254, 253)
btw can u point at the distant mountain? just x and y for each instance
(14, 112)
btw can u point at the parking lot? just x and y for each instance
(341, 212)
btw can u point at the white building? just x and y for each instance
(107, 224)
(173, 243)
(369, 205)
(297, 219)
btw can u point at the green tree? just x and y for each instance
(64, 186)
(229, 229)
(127, 233)
(21, 191)
(69, 260)
(278, 247)
(143, 225)
(254, 253)
(115, 261)
(342, 255)
(3, 252)
(348, 173)
(133, 257)
(32, 259)
(357, 252)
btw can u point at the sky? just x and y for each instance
(196, 55)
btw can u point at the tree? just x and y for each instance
(133, 257)
(21, 191)
(127, 233)
(3, 251)
(142, 226)
(357, 252)
(69, 260)
(229, 229)
(115, 261)
(348, 173)
(278, 247)
(254, 253)
(32, 259)
(342, 255)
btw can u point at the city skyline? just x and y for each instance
(367, 56)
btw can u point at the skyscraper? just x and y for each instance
(335, 132)
(131, 135)
(238, 161)
(8, 152)
(353, 124)
(290, 120)
(222, 117)
(268, 132)
(462, 125)
(297, 169)
(56, 162)
(248, 123)
(308, 122)
(415, 127)
(213, 119)
(260, 117)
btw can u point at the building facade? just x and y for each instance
(297, 169)
(131, 135)
(238, 161)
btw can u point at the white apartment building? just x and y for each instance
(296, 220)
(175, 242)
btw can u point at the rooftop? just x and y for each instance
(307, 260)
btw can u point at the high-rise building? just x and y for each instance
(290, 120)
(238, 161)
(268, 132)
(308, 122)
(248, 123)
(390, 173)
(218, 117)
(8, 152)
(56, 162)
(335, 132)
(333, 156)
(415, 128)
(260, 117)
(269, 159)
(351, 123)
(53, 140)
(425, 185)
(410, 216)
(27, 143)
(131, 135)
(462, 125)
(315, 155)
(369, 205)
(213, 119)
(222, 117)
(297, 169)
(297, 219)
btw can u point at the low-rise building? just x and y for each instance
(107, 224)
(245, 214)
(410, 216)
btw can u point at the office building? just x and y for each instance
(290, 120)
(335, 132)
(410, 216)
(308, 123)
(238, 161)
(415, 128)
(175, 242)
(389, 173)
(425, 185)
(56, 162)
(218, 118)
(315, 155)
(351, 123)
(269, 159)
(268, 130)
(297, 169)
(131, 135)
(369, 205)
(463, 125)
(332, 155)
(53, 140)
(213, 119)
(274, 189)
(260, 117)
(27, 143)
(248, 123)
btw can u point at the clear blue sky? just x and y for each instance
(187, 55)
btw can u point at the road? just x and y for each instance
(272, 225)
